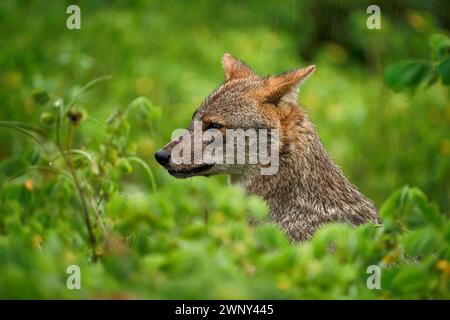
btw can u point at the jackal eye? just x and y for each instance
(213, 125)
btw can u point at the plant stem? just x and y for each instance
(68, 159)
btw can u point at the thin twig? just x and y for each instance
(67, 156)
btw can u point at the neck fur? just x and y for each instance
(309, 189)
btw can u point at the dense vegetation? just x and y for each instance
(83, 111)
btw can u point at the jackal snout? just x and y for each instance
(163, 157)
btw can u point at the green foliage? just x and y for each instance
(78, 184)
(443, 68)
(156, 249)
(409, 75)
(41, 97)
(440, 46)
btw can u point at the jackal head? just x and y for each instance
(233, 120)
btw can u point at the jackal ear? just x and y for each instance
(235, 69)
(285, 87)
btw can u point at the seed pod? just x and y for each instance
(47, 118)
(76, 116)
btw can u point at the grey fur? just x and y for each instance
(309, 189)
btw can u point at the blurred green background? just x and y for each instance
(168, 53)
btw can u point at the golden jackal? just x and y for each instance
(306, 189)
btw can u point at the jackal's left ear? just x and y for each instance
(285, 87)
(235, 69)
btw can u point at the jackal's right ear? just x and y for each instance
(235, 69)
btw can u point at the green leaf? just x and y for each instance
(410, 280)
(40, 97)
(440, 45)
(430, 212)
(11, 166)
(406, 75)
(47, 118)
(35, 156)
(144, 108)
(410, 208)
(270, 237)
(433, 78)
(443, 69)
(421, 242)
(394, 202)
(258, 208)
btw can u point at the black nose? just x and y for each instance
(163, 157)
